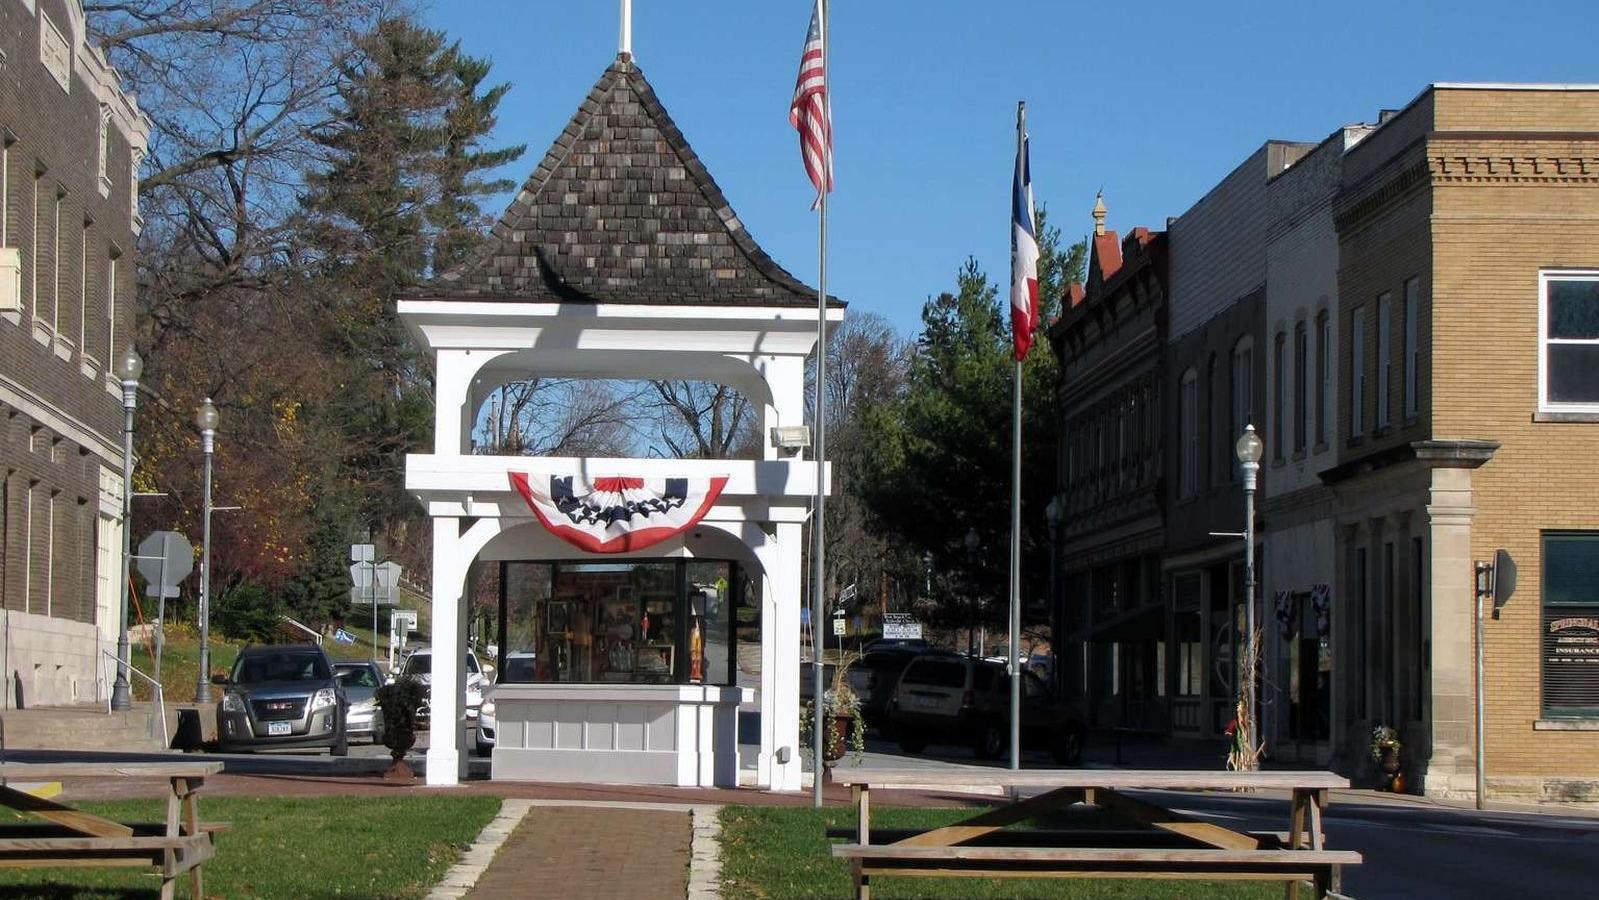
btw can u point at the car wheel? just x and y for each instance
(992, 741)
(1068, 750)
(912, 743)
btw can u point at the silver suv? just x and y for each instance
(944, 698)
(282, 697)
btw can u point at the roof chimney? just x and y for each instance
(1099, 214)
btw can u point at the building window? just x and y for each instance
(5, 190)
(1412, 345)
(1570, 626)
(55, 264)
(1357, 372)
(1278, 382)
(33, 251)
(1568, 332)
(1243, 384)
(1301, 386)
(1324, 372)
(111, 308)
(1188, 427)
(1385, 317)
(83, 289)
(1215, 429)
(105, 150)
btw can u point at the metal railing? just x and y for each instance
(160, 695)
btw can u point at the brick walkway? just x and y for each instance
(578, 853)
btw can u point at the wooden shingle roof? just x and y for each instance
(621, 210)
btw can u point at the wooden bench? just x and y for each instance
(69, 837)
(1163, 843)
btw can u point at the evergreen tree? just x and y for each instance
(399, 203)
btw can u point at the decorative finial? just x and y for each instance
(1099, 212)
(626, 48)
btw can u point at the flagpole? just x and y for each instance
(819, 723)
(1016, 521)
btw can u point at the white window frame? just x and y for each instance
(1412, 347)
(1357, 372)
(1544, 278)
(1385, 360)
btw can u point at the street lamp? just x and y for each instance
(1249, 451)
(128, 369)
(206, 419)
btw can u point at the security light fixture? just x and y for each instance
(791, 437)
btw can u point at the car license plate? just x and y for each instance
(927, 702)
(277, 728)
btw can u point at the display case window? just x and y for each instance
(634, 622)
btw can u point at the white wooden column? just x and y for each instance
(780, 660)
(446, 756)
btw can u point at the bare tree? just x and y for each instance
(704, 420)
(560, 417)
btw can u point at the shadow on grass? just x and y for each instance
(52, 890)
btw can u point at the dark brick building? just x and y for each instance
(70, 146)
(1110, 509)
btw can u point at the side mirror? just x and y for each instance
(219, 679)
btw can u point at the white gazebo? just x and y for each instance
(618, 259)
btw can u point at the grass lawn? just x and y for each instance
(302, 848)
(180, 663)
(770, 852)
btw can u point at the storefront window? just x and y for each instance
(635, 622)
(1570, 624)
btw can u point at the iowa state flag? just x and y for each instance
(1023, 256)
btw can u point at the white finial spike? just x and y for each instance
(627, 27)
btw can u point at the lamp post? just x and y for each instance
(206, 419)
(128, 369)
(1249, 451)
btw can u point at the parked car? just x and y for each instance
(943, 698)
(420, 665)
(874, 677)
(361, 681)
(518, 667)
(280, 697)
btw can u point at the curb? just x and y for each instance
(705, 854)
(464, 874)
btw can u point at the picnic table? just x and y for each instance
(69, 837)
(1163, 844)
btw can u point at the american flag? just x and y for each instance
(810, 113)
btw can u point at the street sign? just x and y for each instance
(165, 558)
(363, 553)
(378, 583)
(840, 626)
(901, 627)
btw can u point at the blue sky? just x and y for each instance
(1154, 103)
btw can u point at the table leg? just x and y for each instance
(1317, 801)
(863, 881)
(191, 826)
(1296, 834)
(863, 813)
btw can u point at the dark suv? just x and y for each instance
(943, 698)
(281, 697)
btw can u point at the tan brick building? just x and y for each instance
(70, 146)
(1468, 422)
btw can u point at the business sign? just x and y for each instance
(901, 627)
(1571, 657)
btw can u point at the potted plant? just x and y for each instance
(844, 728)
(398, 703)
(1385, 752)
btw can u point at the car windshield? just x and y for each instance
(357, 676)
(419, 664)
(938, 674)
(518, 670)
(258, 668)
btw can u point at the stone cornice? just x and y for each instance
(1511, 168)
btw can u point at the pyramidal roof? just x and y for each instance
(621, 210)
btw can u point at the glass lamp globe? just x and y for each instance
(207, 417)
(1249, 446)
(129, 366)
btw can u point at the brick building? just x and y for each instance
(1408, 312)
(1468, 286)
(70, 146)
(1109, 506)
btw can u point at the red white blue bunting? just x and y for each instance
(617, 515)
